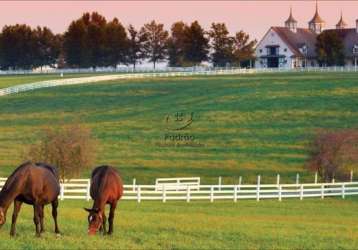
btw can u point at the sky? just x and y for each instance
(254, 17)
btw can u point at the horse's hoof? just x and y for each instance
(58, 235)
(38, 235)
(12, 234)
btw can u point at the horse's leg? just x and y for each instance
(111, 217)
(37, 215)
(104, 222)
(42, 219)
(17, 206)
(54, 214)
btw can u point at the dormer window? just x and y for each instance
(355, 49)
(304, 49)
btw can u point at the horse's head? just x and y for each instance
(2, 216)
(95, 220)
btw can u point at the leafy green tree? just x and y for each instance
(330, 48)
(135, 52)
(176, 45)
(155, 41)
(75, 45)
(18, 46)
(196, 44)
(222, 45)
(244, 49)
(84, 41)
(48, 47)
(116, 43)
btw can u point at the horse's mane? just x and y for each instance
(12, 178)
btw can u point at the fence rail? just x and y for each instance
(80, 189)
(176, 72)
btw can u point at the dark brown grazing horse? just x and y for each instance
(106, 188)
(34, 184)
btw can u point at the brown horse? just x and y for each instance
(34, 184)
(106, 188)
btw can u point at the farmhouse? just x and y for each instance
(293, 47)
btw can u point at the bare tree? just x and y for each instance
(334, 154)
(70, 147)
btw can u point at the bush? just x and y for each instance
(334, 154)
(69, 147)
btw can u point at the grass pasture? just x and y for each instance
(246, 125)
(290, 224)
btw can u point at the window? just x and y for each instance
(355, 49)
(260, 50)
(285, 50)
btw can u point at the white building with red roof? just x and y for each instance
(293, 47)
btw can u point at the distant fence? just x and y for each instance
(80, 189)
(175, 72)
(175, 69)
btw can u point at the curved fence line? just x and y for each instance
(92, 79)
(170, 73)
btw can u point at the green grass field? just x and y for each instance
(246, 125)
(290, 224)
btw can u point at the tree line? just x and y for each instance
(92, 41)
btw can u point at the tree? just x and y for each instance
(196, 45)
(135, 42)
(222, 45)
(116, 43)
(18, 46)
(155, 41)
(330, 48)
(71, 148)
(333, 154)
(48, 47)
(176, 45)
(244, 49)
(84, 41)
(75, 46)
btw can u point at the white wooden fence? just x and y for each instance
(79, 189)
(169, 73)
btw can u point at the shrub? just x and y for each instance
(69, 147)
(334, 154)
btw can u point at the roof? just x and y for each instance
(296, 40)
(316, 18)
(341, 23)
(290, 18)
(349, 37)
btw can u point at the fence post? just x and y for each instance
(278, 180)
(322, 191)
(235, 193)
(315, 178)
(280, 193)
(164, 194)
(138, 194)
(258, 188)
(301, 192)
(212, 194)
(240, 181)
(219, 183)
(133, 186)
(88, 195)
(343, 191)
(187, 193)
(351, 176)
(62, 192)
(297, 178)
